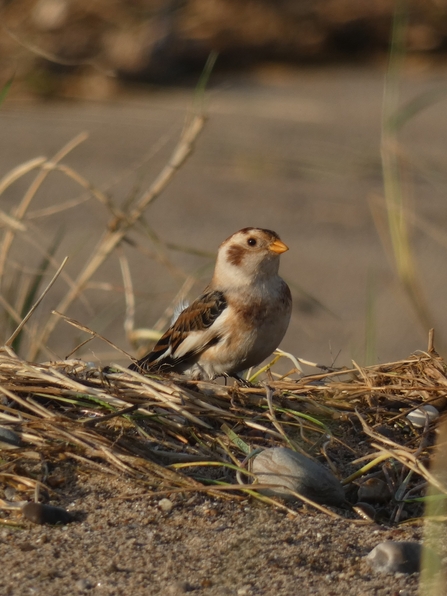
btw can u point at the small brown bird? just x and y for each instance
(240, 318)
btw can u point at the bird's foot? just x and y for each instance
(242, 382)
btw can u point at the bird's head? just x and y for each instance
(247, 256)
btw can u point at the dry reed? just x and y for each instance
(150, 427)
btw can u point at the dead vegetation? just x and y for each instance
(167, 433)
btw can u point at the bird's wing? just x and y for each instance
(196, 328)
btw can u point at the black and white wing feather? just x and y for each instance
(196, 329)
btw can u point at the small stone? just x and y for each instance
(178, 588)
(10, 493)
(83, 584)
(46, 514)
(365, 510)
(9, 439)
(396, 557)
(374, 490)
(418, 417)
(286, 468)
(166, 505)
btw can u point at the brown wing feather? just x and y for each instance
(198, 316)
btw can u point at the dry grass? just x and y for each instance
(20, 283)
(150, 427)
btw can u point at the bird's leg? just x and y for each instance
(239, 379)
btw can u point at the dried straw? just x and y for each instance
(142, 425)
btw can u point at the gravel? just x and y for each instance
(125, 543)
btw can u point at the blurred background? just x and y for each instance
(318, 127)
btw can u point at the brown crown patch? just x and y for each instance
(235, 254)
(270, 233)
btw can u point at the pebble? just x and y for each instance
(374, 490)
(284, 467)
(83, 584)
(365, 510)
(10, 493)
(417, 417)
(46, 514)
(166, 505)
(396, 557)
(9, 438)
(177, 588)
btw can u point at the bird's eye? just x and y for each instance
(251, 242)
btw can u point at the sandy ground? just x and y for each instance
(123, 543)
(296, 152)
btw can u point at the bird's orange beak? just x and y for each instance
(278, 247)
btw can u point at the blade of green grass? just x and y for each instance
(433, 580)
(236, 440)
(5, 90)
(392, 167)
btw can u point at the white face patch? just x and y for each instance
(240, 272)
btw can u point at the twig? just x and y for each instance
(90, 331)
(95, 421)
(118, 227)
(129, 297)
(36, 304)
(31, 192)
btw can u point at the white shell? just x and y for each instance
(417, 417)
